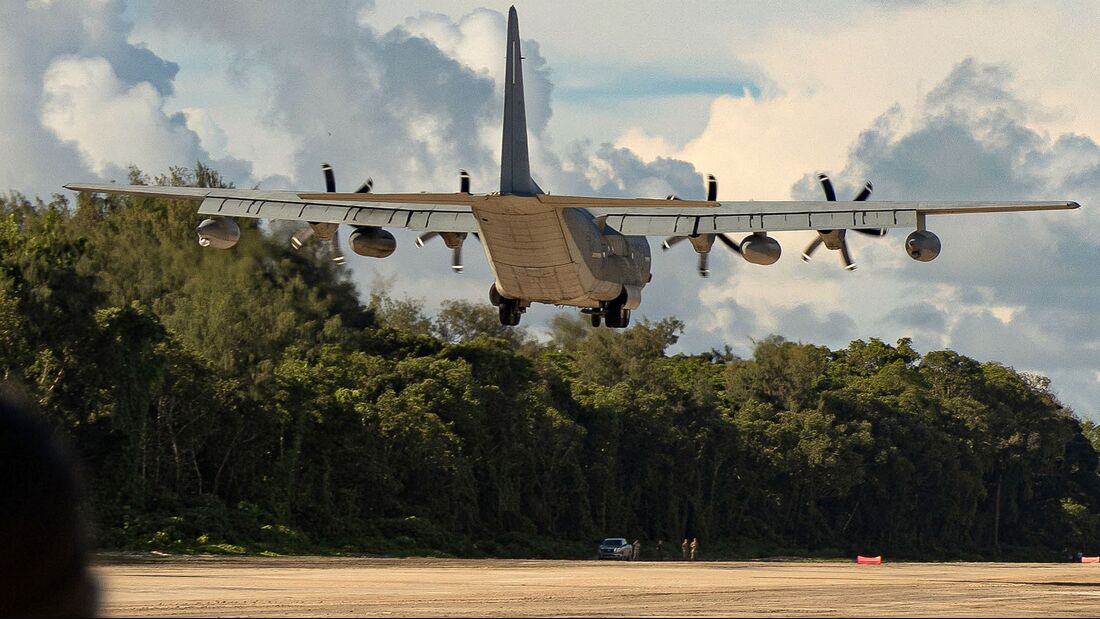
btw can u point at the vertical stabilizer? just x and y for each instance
(515, 168)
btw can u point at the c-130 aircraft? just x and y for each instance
(586, 252)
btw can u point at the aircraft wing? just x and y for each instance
(682, 217)
(437, 212)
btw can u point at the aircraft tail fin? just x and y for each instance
(515, 167)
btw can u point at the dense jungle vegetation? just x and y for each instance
(251, 401)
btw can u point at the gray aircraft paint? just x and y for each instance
(515, 166)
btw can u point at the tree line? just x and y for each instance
(252, 401)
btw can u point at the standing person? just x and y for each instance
(660, 549)
(694, 547)
(684, 549)
(636, 550)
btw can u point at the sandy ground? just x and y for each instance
(284, 586)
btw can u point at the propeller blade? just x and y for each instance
(845, 257)
(703, 270)
(827, 185)
(712, 188)
(330, 178)
(300, 237)
(424, 238)
(337, 254)
(463, 181)
(670, 241)
(732, 244)
(811, 248)
(365, 187)
(330, 186)
(456, 259)
(865, 192)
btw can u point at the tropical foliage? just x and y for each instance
(249, 400)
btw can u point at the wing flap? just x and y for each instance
(672, 219)
(413, 211)
(449, 218)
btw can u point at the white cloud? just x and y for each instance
(884, 90)
(112, 125)
(647, 147)
(475, 39)
(211, 135)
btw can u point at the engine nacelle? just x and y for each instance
(372, 242)
(760, 248)
(218, 232)
(922, 246)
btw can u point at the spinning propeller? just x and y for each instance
(703, 242)
(834, 239)
(327, 231)
(452, 240)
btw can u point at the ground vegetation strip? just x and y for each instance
(254, 401)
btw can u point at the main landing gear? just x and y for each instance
(612, 313)
(615, 315)
(511, 310)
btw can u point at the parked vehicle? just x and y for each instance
(615, 548)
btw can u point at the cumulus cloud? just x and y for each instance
(1011, 288)
(112, 125)
(79, 100)
(926, 101)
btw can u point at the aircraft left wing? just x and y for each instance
(682, 218)
(437, 212)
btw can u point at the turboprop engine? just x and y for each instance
(759, 248)
(922, 246)
(218, 232)
(372, 242)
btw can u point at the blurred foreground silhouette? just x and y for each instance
(44, 557)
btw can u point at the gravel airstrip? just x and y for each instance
(325, 586)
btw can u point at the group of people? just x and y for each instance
(689, 550)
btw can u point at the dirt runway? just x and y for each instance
(319, 586)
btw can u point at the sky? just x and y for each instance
(937, 99)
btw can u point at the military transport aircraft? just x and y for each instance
(586, 252)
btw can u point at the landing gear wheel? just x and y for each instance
(510, 312)
(616, 315)
(595, 320)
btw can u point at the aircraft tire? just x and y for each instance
(613, 315)
(510, 312)
(595, 320)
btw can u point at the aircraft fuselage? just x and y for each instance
(539, 253)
